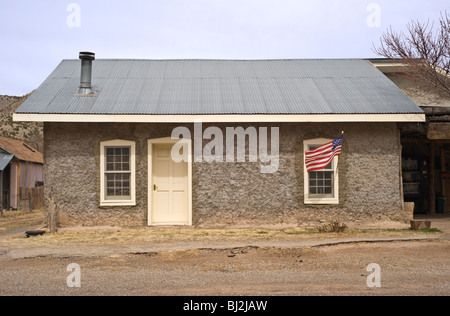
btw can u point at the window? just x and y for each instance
(117, 178)
(321, 187)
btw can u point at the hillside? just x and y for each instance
(29, 132)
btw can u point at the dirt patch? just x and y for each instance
(191, 261)
(414, 268)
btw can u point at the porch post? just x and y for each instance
(432, 195)
(1, 192)
(18, 185)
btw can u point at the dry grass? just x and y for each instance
(116, 236)
(18, 219)
(144, 236)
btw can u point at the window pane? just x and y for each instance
(118, 185)
(321, 183)
(118, 159)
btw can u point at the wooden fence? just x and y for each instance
(31, 198)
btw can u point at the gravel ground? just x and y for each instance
(272, 268)
(407, 268)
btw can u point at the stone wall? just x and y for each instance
(231, 194)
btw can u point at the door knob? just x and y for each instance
(155, 187)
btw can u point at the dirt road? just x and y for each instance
(203, 263)
(407, 268)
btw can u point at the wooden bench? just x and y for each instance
(416, 224)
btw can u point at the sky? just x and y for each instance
(37, 35)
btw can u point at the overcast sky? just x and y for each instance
(37, 35)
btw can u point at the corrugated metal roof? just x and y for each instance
(174, 87)
(5, 160)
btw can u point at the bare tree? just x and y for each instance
(424, 50)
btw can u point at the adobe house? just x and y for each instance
(21, 166)
(110, 139)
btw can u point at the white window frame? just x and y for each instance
(118, 143)
(321, 200)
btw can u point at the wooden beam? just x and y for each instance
(443, 169)
(1, 192)
(18, 184)
(402, 196)
(444, 182)
(425, 140)
(432, 195)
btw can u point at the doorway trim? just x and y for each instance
(168, 141)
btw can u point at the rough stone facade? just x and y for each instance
(231, 194)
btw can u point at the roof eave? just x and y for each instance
(223, 118)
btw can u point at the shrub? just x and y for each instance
(334, 226)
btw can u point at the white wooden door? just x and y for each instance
(170, 188)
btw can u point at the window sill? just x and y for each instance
(117, 203)
(322, 201)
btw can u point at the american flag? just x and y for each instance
(322, 156)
